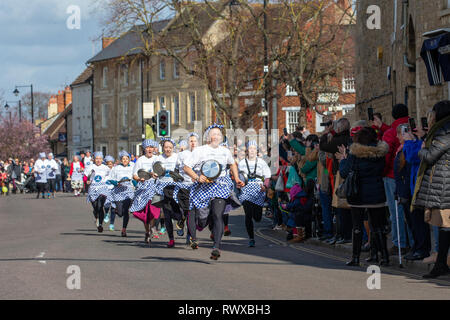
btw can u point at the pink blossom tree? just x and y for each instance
(20, 139)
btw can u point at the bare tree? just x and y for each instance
(40, 104)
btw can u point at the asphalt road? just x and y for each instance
(41, 239)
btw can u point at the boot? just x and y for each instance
(373, 250)
(299, 237)
(381, 243)
(441, 268)
(356, 243)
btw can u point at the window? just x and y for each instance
(176, 109)
(103, 148)
(192, 106)
(125, 74)
(348, 84)
(290, 91)
(104, 76)
(291, 120)
(162, 70)
(124, 114)
(104, 115)
(162, 103)
(176, 69)
(218, 77)
(447, 4)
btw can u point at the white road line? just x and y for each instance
(41, 255)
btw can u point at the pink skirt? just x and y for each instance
(150, 212)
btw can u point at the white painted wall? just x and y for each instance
(81, 118)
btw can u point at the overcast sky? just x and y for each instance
(38, 48)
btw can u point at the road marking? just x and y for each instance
(41, 255)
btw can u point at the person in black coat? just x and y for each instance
(366, 160)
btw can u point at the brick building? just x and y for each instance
(389, 67)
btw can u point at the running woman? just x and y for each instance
(141, 206)
(183, 194)
(51, 168)
(208, 199)
(97, 174)
(167, 187)
(254, 193)
(76, 175)
(121, 176)
(109, 210)
(40, 175)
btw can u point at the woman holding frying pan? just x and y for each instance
(212, 187)
(123, 192)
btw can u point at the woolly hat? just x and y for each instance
(399, 111)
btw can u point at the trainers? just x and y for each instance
(180, 224)
(100, 229)
(194, 244)
(211, 236)
(226, 231)
(215, 254)
(251, 243)
(111, 227)
(171, 244)
(277, 227)
(162, 231)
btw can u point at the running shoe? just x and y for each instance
(147, 237)
(124, 233)
(211, 236)
(106, 219)
(251, 243)
(171, 244)
(155, 236)
(100, 229)
(180, 232)
(162, 231)
(194, 244)
(180, 224)
(226, 231)
(215, 254)
(111, 227)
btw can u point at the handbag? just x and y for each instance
(338, 202)
(279, 186)
(351, 185)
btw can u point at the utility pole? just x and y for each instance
(266, 72)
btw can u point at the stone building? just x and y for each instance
(389, 66)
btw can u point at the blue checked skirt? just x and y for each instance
(202, 193)
(120, 193)
(96, 190)
(144, 193)
(252, 192)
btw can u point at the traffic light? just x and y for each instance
(163, 124)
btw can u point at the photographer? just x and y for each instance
(379, 126)
(339, 137)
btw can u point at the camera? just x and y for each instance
(326, 124)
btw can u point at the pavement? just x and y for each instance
(49, 246)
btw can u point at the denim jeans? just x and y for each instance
(436, 238)
(389, 187)
(327, 217)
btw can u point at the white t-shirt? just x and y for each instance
(182, 156)
(101, 172)
(204, 153)
(77, 173)
(87, 161)
(40, 169)
(119, 172)
(262, 169)
(51, 168)
(144, 163)
(169, 163)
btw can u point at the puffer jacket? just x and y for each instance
(434, 190)
(368, 161)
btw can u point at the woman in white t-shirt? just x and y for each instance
(254, 193)
(208, 199)
(142, 207)
(97, 174)
(121, 176)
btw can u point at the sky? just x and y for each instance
(38, 48)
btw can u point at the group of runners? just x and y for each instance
(194, 188)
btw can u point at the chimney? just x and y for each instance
(106, 41)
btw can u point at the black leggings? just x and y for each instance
(205, 216)
(99, 212)
(376, 219)
(252, 212)
(122, 211)
(41, 187)
(51, 185)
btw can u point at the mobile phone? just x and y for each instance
(405, 129)
(412, 124)
(424, 122)
(370, 113)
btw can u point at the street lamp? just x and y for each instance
(20, 108)
(16, 93)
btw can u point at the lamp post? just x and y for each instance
(16, 93)
(20, 109)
